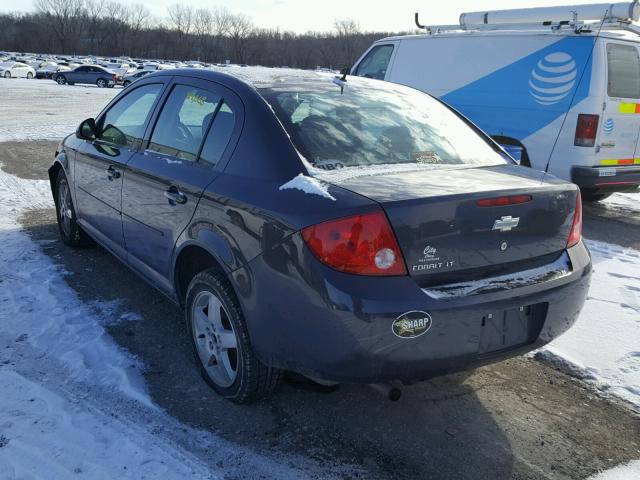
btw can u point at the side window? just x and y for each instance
(218, 136)
(123, 124)
(375, 64)
(82, 69)
(183, 122)
(623, 71)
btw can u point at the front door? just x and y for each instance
(100, 164)
(163, 183)
(620, 124)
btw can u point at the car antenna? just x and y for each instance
(341, 81)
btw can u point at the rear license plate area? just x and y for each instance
(508, 329)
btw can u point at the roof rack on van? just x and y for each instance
(579, 18)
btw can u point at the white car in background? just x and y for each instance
(17, 70)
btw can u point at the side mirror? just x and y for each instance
(87, 130)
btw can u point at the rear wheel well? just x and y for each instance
(53, 177)
(525, 161)
(191, 261)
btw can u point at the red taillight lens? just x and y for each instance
(586, 130)
(576, 229)
(503, 201)
(361, 244)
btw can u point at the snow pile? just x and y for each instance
(44, 110)
(603, 346)
(308, 185)
(629, 471)
(38, 306)
(626, 202)
(48, 436)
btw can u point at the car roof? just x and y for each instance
(260, 78)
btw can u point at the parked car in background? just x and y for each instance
(132, 77)
(48, 71)
(87, 74)
(16, 70)
(350, 231)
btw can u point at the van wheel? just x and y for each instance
(220, 341)
(70, 231)
(593, 194)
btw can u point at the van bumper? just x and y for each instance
(613, 179)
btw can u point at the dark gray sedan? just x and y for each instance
(88, 74)
(346, 229)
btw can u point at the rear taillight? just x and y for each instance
(576, 228)
(361, 244)
(586, 130)
(114, 77)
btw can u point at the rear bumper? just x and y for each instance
(614, 178)
(305, 317)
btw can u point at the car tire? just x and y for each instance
(29, 75)
(221, 341)
(101, 83)
(61, 80)
(70, 231)
(7, 74)
(591, 195)
(126, 83)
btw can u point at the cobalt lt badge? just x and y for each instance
(411, 324)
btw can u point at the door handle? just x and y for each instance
(112, 173)
(175, 196)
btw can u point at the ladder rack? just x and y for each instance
(576, 26)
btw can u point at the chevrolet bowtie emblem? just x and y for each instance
(506, 224)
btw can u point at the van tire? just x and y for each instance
(524, 160)
(592, 195)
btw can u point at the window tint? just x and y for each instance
(123, 124)
(82, 69)
(219, 135)
(364, 125)
(624, 71)
(183, 121)
(375, 64)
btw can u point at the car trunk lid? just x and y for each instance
(445, 234)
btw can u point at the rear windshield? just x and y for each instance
(369, 125)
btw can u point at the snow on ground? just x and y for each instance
(630, 471)
(627, 202)
(603, 346)
(73, 404)
(44, 110)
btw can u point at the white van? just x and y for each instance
(558, 87)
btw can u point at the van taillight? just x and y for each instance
(586, 130)
(361, 244)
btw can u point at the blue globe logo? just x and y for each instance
(553, 78)
(608, 126)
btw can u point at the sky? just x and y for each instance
(319, 15)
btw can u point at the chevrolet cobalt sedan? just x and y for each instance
(345, 229)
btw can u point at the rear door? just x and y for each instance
(100, 163)
(620, 125)
(164, 182)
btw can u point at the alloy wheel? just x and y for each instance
(64, 207)
(215, 339)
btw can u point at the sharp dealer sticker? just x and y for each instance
(411, 324)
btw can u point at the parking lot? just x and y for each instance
(526, 418)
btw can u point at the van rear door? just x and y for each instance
(620, 122)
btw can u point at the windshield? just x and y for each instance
(364, 125)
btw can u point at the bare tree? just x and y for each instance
(347, 30)
(66, 17)
(240, 29)
(181, 18)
